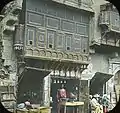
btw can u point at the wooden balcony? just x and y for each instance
(104, 19)
(55, 55)
(109, 20)
(56, 60)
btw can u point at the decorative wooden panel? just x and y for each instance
(30, 38)
(68, 38)
(82, 29)
(51, 10)
(52, 22)
(85, 44)
(36, 19)
(68, 26)
(60, 41)
(77, 43)
(40, 35)
(50, 39)
(69, 14)
(60, 11)
(85, 18)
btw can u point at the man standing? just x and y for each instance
(61, 96)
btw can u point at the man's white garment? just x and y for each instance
(94, 103)
(95, 106)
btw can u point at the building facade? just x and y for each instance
(105, 47)
(8, 60)
(47, 40)
(56, 41)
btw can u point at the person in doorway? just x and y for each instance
(95, 106)
(61, 94)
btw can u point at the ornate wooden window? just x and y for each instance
(77, 43)
(68, 38)
(60, 41)
(60, 27)
(30, 37)
(84, 44)
(85, 18)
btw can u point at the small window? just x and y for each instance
(50, 39)
(84, 44)
(30, 36)
(68, 42)
(68, 48)
(50, 46)
(31, 42)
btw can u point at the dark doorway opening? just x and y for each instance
(71, 85)
(31, 86)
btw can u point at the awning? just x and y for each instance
(33, 74)
(98, 81)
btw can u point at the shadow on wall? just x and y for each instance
(116, 109)
(2, 109)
